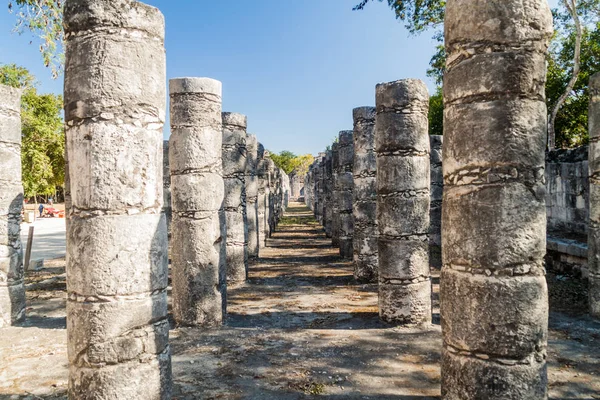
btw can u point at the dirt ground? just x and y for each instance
(300, 328)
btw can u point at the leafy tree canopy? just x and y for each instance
(44, 19)
(290, 162)
(42, 151)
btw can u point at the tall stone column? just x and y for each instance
(494, 308)
(263, 193)
(335, 196)
(167, 187)
(234, 204)
(328, 194)
(402, 146)
(12, 288)
(271, 194)
(197, 189)
(594, 170)
(364, 207)
(252, 195)
(345, 193)
(435, 205)
(117, 327)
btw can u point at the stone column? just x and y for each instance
(198, 229)
(252, 195)
(234, 204)
(435, 205)
(346, 187)
(335, 196)
(328, 194)
(12, 288)
(494, 308)
(261, 203)
(167, 187)
(594, 173)
(117, 327)
(364, 207)
(271, 194)
(402, 146)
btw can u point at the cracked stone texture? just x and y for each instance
(12, 290)
(263, 196)
(197, 189)
(117, 327)
(345, 190)
(328, 195)
(594, 174)
(494, 303)
(167, 186)
(435, 206)
(403, 196)
(234, 203)
(335, 218)
(364, 206)
(252, 195)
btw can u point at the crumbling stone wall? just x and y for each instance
(403, 180)
(493, 295)
(234, 203)
(117, 327)
(198, 229)
(567, 190)
(594, 174)
(12, 288)
(364, 206)
(345, 182)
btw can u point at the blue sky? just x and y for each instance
(296, 68)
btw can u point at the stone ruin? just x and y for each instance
(393, 199)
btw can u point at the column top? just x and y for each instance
(346, 138)
(234, 119)
(364, 112)
(401, 93)
(195, 85)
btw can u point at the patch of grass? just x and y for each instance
(298, 220)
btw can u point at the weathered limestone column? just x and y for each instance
(402, 146)
(435, 205)
(252, 195)
(328, 194)
(198, 229)
(364, 207)
(494, 308)
(261, 201)
(346, 187)
(234, 204)
(594, 224)
(168, 211)
(117, 327)
(335, 196)
(12, 288)
(271, 204)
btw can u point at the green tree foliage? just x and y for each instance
(42, 152)
(436, 113)
(572, 120)
(290, 162)
(44, 19)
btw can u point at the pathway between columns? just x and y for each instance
(300, 328)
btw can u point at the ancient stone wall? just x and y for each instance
(364, 206)
(567, 190)
(234, 203)
(493, 295)
(114, 100)
(12, 288)
(328, 193)
(403, 180)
